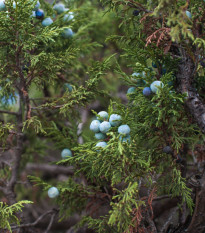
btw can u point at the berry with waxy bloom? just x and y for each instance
(47, 22)
(100, 136)
(155, 86)
(68, 17)
(67, 33)
(188, 14)
(59, 8)
(53, 192)
(103, 115)
(105, 126)
(95, 126)
(125, 138)
(101, 144)
(115, 120)
(124, 129)
(65, 153)
(131, 90)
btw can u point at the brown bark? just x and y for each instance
(197, 224)
(185, 78)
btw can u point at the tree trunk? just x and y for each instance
(197, 224)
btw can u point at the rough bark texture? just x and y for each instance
(197, 224)
(185, 78)
(196, 107)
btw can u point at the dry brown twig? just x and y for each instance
(163, 33)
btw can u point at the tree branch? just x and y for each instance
(37, 220)
(8, 112)
(51, 223)
(53, 169)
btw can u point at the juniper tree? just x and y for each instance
(124, 184)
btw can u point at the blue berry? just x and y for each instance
(2, 5)
(95, 126)
(59, 8)
(167, 150)
(33, 14)
(154, 65)
(136, 74)
(125, 138)
(36, 7)
(47, 22)
(131, 90)
(147, 91)
(100, 136)
(39, 14)
(124, 129)
(103, 115)
(155, 85)
(115, 120)
(139, 82)
(68, 86)
(135, 12)
(188, 14)
(53, 192)
(68, 17)
(142, 74)
(105, 126)
(67, 33)
(66, 153)
(101, 144)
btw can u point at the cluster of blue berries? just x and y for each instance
(103, 124)
(59, 8)
(147, 91)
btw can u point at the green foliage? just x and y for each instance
(4, 132)
(35, 124)
(49, 114)
(8, 213)
(179, 186)
(121, 213)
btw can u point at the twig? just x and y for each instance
(8, 112)
(51, 222)
(161, 197)
(53, 169)
(163, 31)
(37, 220)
